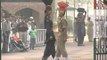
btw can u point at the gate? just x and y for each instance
(100, 49)
(100, 39)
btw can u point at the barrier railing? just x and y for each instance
(41, 36)
(100, 39)
(39, 41)
(100, 49)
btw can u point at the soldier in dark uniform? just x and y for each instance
(81, 27)
(50, 38)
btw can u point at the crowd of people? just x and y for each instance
(16, 31)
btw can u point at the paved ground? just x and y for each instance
(74, 53)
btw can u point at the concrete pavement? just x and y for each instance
(74, 53)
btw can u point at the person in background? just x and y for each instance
(16, 41)
(22, 29)
(6, 26)
(81, 32)
(29, 29)
(33, 34)
(1, 35)
(90, 29)
(14, 23)
(32, 22)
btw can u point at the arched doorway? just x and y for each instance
(27, 13)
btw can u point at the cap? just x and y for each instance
(31, 17)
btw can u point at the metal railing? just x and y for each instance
(39, 41)
(100, 39)
(41, 36)
(100, 49)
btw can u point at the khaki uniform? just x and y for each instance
(62, 38)
(90, 30)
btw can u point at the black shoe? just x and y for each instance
(44, 58)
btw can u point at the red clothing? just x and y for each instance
(16, 37)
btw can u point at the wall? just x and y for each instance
(13, 7)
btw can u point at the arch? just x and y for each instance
(28, 12)
(38, 7)
(14, 7)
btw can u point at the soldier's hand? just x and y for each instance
(65, 40)
(59, 34)
(51, 37)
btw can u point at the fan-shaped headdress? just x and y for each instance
(62, 5)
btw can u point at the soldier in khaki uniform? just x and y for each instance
(62, 36)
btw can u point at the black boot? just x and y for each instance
(44, 58)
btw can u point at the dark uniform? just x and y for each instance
(50, 39)
(48, 23)
(80, 28)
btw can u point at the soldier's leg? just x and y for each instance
(45, 57)
(58, 52)
(63, 50)
(46, 53)
(53, 52)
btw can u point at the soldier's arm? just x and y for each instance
(45, 23)
(64, 24)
